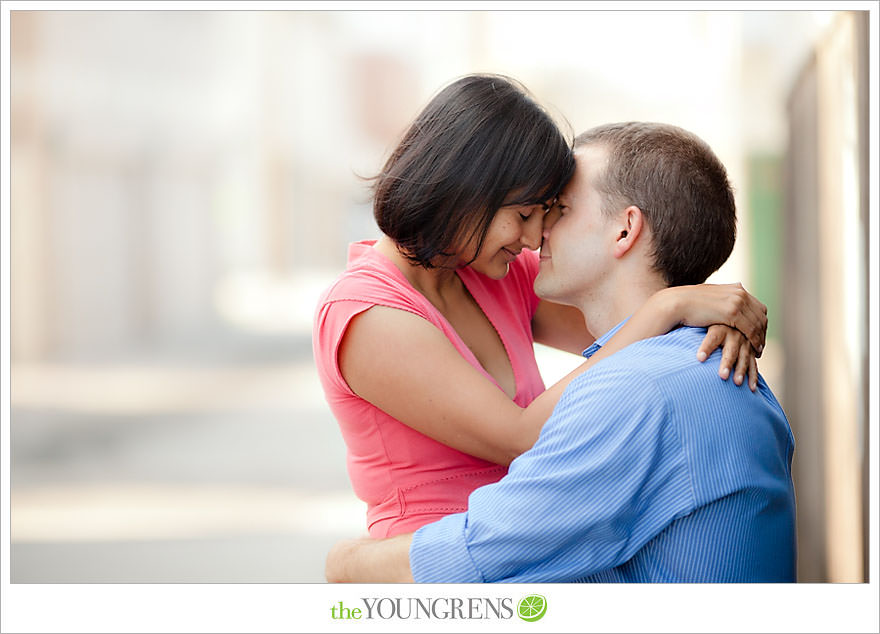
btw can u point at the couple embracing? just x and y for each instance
(664, 457)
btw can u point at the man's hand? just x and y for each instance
(367, 560)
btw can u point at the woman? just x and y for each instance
(424, 344)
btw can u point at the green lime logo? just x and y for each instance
(532, 607)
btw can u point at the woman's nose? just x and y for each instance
(550, 219)
(532, 230)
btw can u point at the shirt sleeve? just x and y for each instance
(607, 474)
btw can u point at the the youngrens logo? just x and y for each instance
(529, 608)
(532, 608)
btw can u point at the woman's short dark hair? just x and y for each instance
(681, 187)
(479, 140)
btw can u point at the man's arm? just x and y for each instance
(369, 560)
(606, 476)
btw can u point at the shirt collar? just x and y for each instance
(601, 341)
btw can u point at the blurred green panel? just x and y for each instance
(765, 232)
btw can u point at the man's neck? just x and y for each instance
(618, 300)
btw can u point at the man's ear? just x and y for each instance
(630, 228)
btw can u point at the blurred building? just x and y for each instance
(182, 181)
(824, 300)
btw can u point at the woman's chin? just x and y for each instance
(495, 270)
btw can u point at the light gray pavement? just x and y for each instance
(213, 462)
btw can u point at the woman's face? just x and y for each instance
(513, 228)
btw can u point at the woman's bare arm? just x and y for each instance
(406, 367)
(736, 320)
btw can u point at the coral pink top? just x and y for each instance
(406, 478)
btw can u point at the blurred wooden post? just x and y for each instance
(31, 300)
(825, 294)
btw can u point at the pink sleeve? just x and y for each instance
(342, 302)
(331, 322)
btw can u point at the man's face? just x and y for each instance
(578, 237)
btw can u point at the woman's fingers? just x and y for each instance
(759, 314)
(715, 336)
(749, 316)
(753, 374)
(729, 353)
(743, 362)
(728, 304)
(737, 354)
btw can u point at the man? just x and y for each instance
(649, 469)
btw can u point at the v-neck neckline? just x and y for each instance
(467, 284)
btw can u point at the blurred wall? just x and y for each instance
(174, 172)
(825, 302)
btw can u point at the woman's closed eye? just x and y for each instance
(544, 208)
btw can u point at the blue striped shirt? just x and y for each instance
(651, 469)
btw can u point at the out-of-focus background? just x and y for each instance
(184, 183)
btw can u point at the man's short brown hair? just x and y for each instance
(681, 187)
